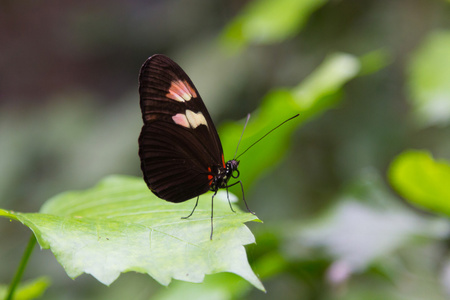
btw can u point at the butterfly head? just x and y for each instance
(232, 168)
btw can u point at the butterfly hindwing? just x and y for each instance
(178, 144)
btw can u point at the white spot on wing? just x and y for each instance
(190, 119)
(195, 119)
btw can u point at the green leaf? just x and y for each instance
(429, 80)
(314, 95)
(422, 181)
(28, 290)
(266, 21)
(120, 226)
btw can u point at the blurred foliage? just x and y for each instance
(429, 80)
(422, 180)
(267, 22)
(32, 289)
(375, 225)
(69, 116)
(375, 61)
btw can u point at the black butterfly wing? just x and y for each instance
(178, 146)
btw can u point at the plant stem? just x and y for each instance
(23, 263)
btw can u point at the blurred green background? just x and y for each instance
(333, 227)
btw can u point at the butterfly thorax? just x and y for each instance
(222, 175)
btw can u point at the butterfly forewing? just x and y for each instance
(178, 145)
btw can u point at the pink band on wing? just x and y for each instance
(181, 91)
(181, 119)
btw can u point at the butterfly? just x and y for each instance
(179, 148)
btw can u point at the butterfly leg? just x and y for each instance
(243, 196)
(196, 202)
(229, 202)
(212, 214)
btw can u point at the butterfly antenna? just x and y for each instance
(265, 134)
(242, 134)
